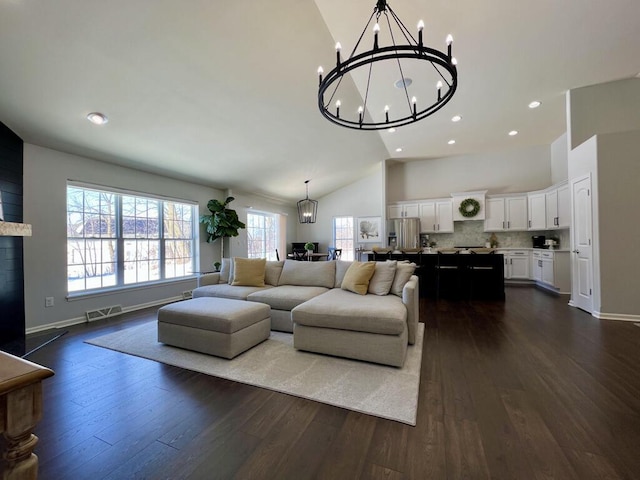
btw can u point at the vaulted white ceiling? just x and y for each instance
(225, 93)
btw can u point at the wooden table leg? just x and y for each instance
(20, 410)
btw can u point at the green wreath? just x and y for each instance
(469, 207)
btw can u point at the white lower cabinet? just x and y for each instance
(516, 264)
(551, 270)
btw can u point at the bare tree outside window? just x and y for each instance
(262, 235)
(115, 239)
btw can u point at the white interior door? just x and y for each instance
(582, 249)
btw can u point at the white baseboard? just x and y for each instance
(83, 319)
(625, 317)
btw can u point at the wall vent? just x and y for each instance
(186, 295)
(103, 312)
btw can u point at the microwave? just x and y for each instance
(538, 241)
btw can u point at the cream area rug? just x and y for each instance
(378, 390)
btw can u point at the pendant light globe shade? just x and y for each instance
(307, 208)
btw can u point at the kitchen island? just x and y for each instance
(462, 276)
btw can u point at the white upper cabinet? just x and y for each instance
(505, 213)
(444, 215)
(494, 220)
(516, 210)
(394, 211)
(537, 211)
(564, 206)
(558, 205)
(436, 216)
(403, 210)
(551, 205)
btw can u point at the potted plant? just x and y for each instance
(309, 246)
(222, 223)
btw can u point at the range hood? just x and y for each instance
(459, 197)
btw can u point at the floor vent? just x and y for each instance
(103, 312)
(186, 295)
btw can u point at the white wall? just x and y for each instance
(510, 171)
(619, 221)
(560, 159)
(604, 108)
(244, 203)
(45, 175)
(360, 199)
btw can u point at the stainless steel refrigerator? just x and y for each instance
(407, 232)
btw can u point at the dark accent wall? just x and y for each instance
(12, 322)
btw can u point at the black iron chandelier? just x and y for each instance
(307, 208)
(412, 59)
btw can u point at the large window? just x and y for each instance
(343, 236)
(116, 239)
(263, 235)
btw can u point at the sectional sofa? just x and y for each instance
(317, 301)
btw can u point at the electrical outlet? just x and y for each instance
(48, 301)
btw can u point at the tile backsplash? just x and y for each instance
(471, 233)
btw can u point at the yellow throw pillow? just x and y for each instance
(357, 278)
(249, 272)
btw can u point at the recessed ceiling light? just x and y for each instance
(97, 118)
(451, 142)
(535, 104)
(391, 130)
(513, 132)
(398, 149)
(456, 118)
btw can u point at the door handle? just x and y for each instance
(576, 251)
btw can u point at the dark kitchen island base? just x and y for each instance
(456, 276)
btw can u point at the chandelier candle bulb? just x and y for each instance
(360, 110)
(320, 72)
(414, 100)
(449, 42)
(338, 48)
(386, 113)
(338, 103)
(376, 29)
(420, 28)
(439, 87)
(454, 61)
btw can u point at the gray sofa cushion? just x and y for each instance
(226, 270)
(341, 269)
(308, 274)
(219, 315)
(224, 290)
(404, 271)
(272, 272)
(344, 310)
(380, 283)
(286, 297)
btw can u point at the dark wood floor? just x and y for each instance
(525, 389)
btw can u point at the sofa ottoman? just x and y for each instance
(217, 326)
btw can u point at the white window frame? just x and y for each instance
(259, 235)
(347, 244)
(116, 252)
